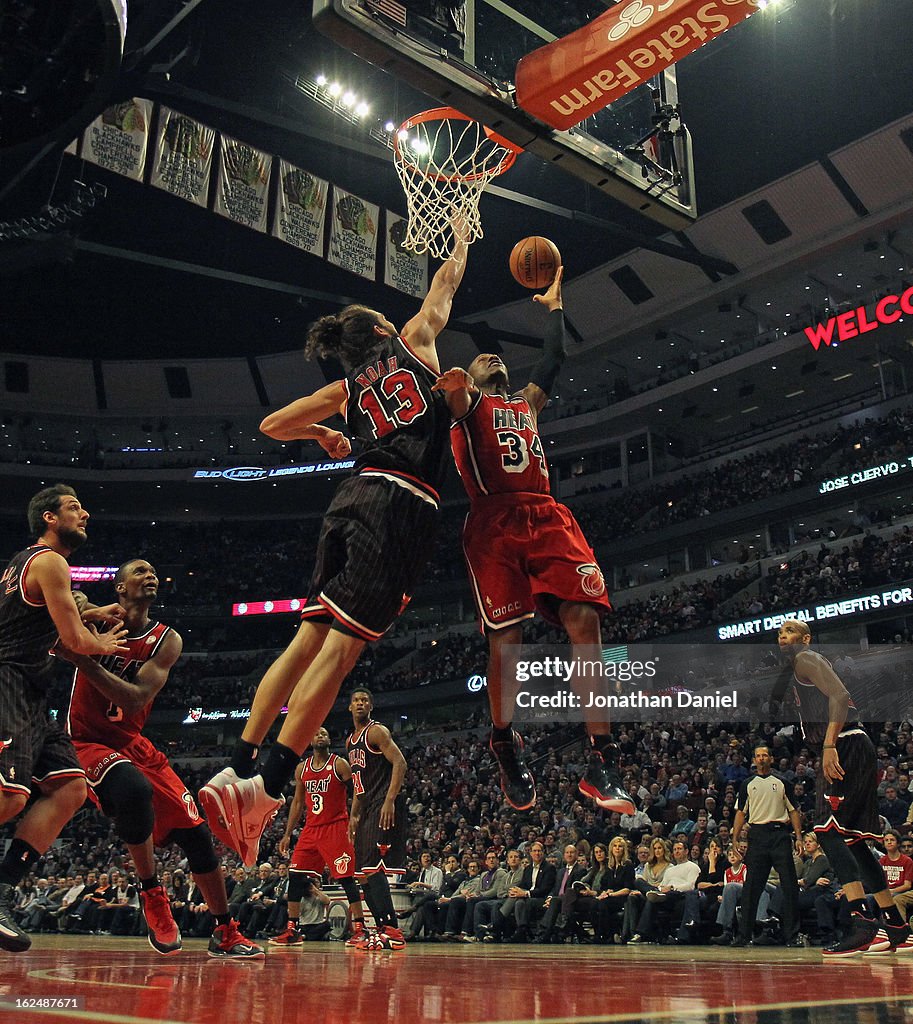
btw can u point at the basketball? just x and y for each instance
(533, 262)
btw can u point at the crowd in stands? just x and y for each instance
(683, 780)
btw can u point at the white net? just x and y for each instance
(444, 162)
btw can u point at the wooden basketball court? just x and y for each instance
(123, 981)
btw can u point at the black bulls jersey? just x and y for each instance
(27, 630)
(390, 407)
(814, 709)
(371, 771)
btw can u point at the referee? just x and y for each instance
(763, 802)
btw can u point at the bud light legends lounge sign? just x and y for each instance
(246, 474)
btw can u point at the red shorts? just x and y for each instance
(172, 803)
(319, 846)
(527, 553)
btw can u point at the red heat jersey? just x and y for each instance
(497, 448)
(93, 718)
(326, 793)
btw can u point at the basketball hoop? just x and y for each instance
(445, 160)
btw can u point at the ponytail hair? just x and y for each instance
(347, 336)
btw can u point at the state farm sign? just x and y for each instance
(566, 81)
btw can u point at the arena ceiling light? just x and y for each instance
(57, 72)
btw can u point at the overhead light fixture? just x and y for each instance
(843, 376)
(795, 394)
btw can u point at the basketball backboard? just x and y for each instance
(463, 54)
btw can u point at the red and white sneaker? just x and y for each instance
(389, 937)
(163, 932)
(290, 937)
(213, 804)
(249, 810)
(227, 943)
(904, 947)
(358, 934)
(866, 937)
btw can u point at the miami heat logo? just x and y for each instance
(593, 582)
(341, 864)
(191, 806)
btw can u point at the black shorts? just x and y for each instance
(850, 806)
(375, 540)
(33, 749)
(378, 849)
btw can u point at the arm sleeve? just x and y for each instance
(554, 352)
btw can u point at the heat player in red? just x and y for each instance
(132, 781)
(321, 789)
(524, 551)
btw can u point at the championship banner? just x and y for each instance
(242, 192)
(301, 208)
(403, 269)
(564, 82)
(353, 234)
(117, 139)
(183, 157)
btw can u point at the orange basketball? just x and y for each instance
(534, 261)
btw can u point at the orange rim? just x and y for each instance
(452, 114)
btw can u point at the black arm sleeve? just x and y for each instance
(554, 352)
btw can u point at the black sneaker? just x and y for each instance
(897, 933)
(517, 783)
(866, 937)
(740, 941)
(722, 940)
(604, 787)
(12, 938)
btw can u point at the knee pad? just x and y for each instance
(846, 866)
(197, 844)
(298, 884)
(350, 888)
(126, 796)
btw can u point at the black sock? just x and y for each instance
(279, 768)
(858, 907)
(244, 759)
(149, 883)
(606, 747)
(892, 915)
(18, 861)
(499, 734)
(222, 919)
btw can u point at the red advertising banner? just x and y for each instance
(566, 81)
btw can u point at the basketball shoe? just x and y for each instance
(290, 937)
(213, 804)
(517, 783)
(389, 937)
(367, 940)
(227, 943)
(358, 933)
(12, 938)
(249, 810)
(866, 937)
(604, 787)
(899, 936)
(163, 932)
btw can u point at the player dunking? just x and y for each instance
(132, 781)
(37, 606)
(375, 538)
(320, 792)
(847, 803)
(377, 821)
(524, 551)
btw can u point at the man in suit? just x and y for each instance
(254, 908)
(525, 901)
(570, 872)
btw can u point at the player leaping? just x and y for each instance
(375, 539)
(524, 551)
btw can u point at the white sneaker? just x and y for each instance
(250, 809)
(212, 800)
